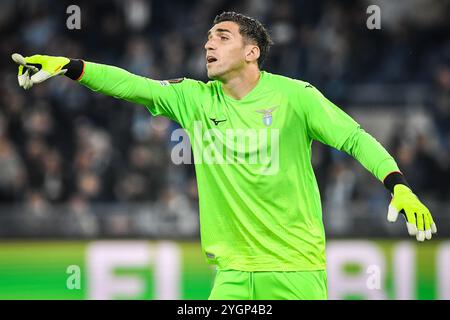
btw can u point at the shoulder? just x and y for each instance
(211, 87)
(286, 83)
(190, 86)
(183, 81)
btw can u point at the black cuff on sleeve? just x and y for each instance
(74, 69)
(394, 178)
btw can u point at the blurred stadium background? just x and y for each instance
(86, 180)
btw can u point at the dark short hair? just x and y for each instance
(251, 30)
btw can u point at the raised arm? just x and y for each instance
(330, 125)
(173, 100)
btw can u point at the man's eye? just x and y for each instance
(224, 38)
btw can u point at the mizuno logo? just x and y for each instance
(216, 122)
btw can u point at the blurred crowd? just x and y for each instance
(63, 145)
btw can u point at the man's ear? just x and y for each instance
(252, 53)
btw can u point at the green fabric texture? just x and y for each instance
(268, 285)
(260, 207)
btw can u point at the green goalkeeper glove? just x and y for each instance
(418, 218)
(38, 68)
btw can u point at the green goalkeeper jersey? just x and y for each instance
(260, 207)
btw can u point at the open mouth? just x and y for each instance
(210, 59)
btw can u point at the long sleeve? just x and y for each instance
(330, 125)
(119, 83)
(173, 99)
(370, 153)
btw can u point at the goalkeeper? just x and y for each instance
(261, 223)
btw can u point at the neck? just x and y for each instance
(239, 85)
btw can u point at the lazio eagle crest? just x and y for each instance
(267, 115)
